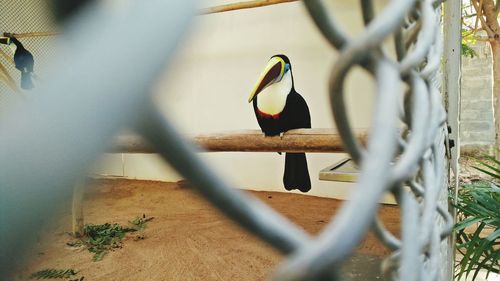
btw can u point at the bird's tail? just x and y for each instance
(296, 173)
(26, 82)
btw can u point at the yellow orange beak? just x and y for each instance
(273, 72)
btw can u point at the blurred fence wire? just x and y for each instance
(47, 144)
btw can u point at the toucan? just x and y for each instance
(24, 62)
(279, 108)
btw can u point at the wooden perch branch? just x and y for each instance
(205, 11)
(242, 5)
(299, 140)
(4, 74)
(30, 34)
(7, 57)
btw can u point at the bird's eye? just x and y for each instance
(287, 67)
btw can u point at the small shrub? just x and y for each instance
(478, 226)
(52, 273)
(101, 238)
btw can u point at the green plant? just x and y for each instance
(52, 273)
(468, 39)
(478, 228)
(468, 51)
(140, 223)
(101, 238)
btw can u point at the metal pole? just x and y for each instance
(452, 78)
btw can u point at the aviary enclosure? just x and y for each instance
(47, 144)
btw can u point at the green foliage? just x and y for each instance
(52, 273)
(468, 51)
(478, 228)
(140, 223)
(101, 238)
(468, 39)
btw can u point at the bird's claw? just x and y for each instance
(281, 135)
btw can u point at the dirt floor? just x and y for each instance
(187, 239)
(470, 174)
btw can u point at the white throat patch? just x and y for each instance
(13, 47)
(272, 99)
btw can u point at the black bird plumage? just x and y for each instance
(294, 115)
(24, 62)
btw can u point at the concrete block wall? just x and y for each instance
(477, 115)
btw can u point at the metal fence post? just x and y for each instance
(452, 80)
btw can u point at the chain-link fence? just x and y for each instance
(405, 153)
(409, 163)
(32, 18)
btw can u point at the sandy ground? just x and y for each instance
(187, 239)
(468, 173)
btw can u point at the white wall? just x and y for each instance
(477, 116)
(206, 90)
